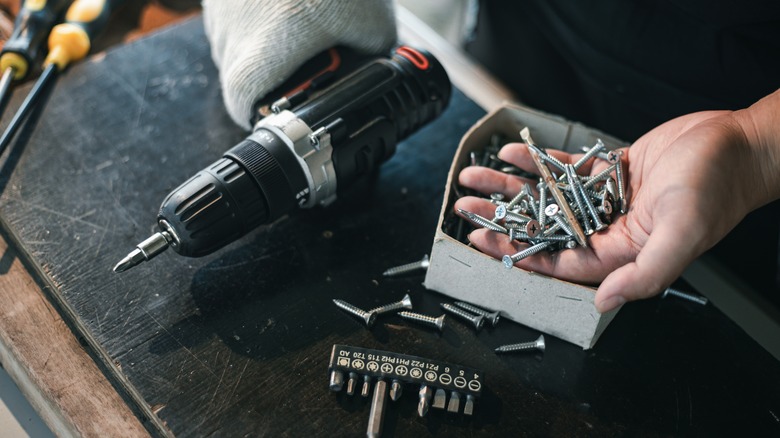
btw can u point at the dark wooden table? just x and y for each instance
(237, 343)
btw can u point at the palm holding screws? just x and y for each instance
(679, 181)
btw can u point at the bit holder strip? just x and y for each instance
(406, 368)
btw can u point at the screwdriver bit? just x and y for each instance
(439, 399)
(396, 389)
(454, 402)
(376, 416)
(426, 392)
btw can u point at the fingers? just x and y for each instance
(487, 181)
(517, 154)
(662, 259)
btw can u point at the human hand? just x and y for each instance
(257, 44)
(689, 182)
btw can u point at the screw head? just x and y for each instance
(407, 301)
(539, 343)
(551, 210)
(497, 196)
(479, 321)
(508, 263)
(493, 318)
(439, 322)
(369, 318)
(532, 228)
(500, 211)
(613, 157)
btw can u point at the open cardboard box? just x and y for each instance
(559, 308)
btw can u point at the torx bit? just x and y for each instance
(426, 392)
(454, 404)
(439, 399)
(366, 386)
(377, 413)
(352, 383)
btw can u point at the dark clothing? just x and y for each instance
(627, 66)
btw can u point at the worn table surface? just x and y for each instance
(237, 343)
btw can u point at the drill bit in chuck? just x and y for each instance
(145, 250)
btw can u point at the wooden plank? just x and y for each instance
(51, 368)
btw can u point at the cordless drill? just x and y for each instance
(304, 154)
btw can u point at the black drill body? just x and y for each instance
(302, 156)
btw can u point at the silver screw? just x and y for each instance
(476, 320)
(510, 260)
(408, 267)
(425, 319)
(537, 344)
(542, 187)
(686, 296)
(405, 303)
(590, 154)
(578, 198)
(481, 221)
(591, 209)
(367, 317)
(492, 317)
(621, 184)
(601, 176)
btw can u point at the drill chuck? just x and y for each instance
(303, 156)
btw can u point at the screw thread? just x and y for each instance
(472, 309)
(511, 260)
(350, 308)
(408, 267)
(578, 198)
(620, 183)
(477, 320)
(425, 319)
(591, 208)
(368, 317)
(601, 176)
(518, 197)
(483, 222)
(542, 217)
(686, 296)
(589, 154)
(490, 316)
(405, 303)
(538, 344)
(516, 347)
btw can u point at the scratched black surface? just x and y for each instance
(237, 343)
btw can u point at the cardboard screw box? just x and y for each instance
(558, 308)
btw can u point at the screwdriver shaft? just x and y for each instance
(5, 86)
(377, 410)
(47, 76)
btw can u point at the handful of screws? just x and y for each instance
(568, 207)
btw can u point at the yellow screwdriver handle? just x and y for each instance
(71, 40)
(32, 24)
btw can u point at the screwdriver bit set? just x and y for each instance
(434, 379)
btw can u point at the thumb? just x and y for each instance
(665, 255)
